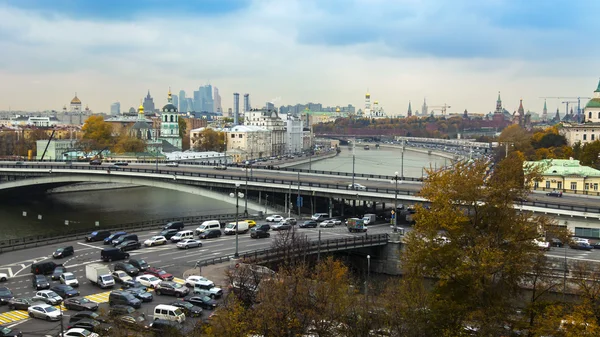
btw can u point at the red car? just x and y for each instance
(160, 273)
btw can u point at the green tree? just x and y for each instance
(182, 127)
(210, 140)
(127, 144)
(473, 241)
(97, 134)
(589, 153)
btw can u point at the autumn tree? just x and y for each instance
(472, 240)
(127, 144)
(97, 134)
(589, 154)
(291, 245)
(209, 140)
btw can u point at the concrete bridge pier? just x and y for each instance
(343, 202)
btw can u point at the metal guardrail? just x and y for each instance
(221, 175)
(42, 240)
(313, 247)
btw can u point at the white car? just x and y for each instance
(121, 276)
(192, 280)
(3, 277)
(155, 241)
(327, 223)
(357, 186)
(69, 279)
(79, 332)
(48, 296)
(541, 244)
(274, 218)
(148, 280)
(172, 164)
(44, 311)
(187, 243)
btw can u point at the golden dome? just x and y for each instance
(337, 110)
(376, 102)
(141, 108)
(75, 100)
(367, 95)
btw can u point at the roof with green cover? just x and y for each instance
(564, 167)
(593, 103)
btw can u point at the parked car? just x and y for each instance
(554, 194)
(172, 164)
(79, 332)
(64, 290)
(5, 295)
(171, 288)
(280, 226)
(44, 311)
(309, 224)
(291, 221)
(258, 234)
(357, 187)
(20, 303)
(150, 281)
(91, 325)
(554, 242)
(188, 308)
(8, 332)
(40, 282)
(121, 276)
(140, 264)
(160, 273)
(141, 293)
(59, 253)
(156, 240)
(127, 267)
(57, 272)
(327, 223)
(87, 314)
(210, 234)
(203, 302)
(221, 167)
(129, 245)
(80, 304)
(48, 296)
(69, 279)
(274, 218)
(189, 243)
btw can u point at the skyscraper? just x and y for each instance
(236, 108)
(246, 102)
(197, 100)
(115, 108)
(218, 107)
(175, 101)
(208, 104)
(148, 104)
(182, 102)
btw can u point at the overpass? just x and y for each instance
(195, 179)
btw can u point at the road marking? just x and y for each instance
(88, 245)
(8, 271)
(85, 263)
(190, 254)
(150, 263)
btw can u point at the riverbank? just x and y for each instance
(86, 187)
(422, 150)
(307, 160)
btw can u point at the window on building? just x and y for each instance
(559, 185)
(240, 136)
(590, 114)
(587, 232)
(573, 185)
(587, 186)
(595, 186)
(598, 114)
(584, 136)
(232, 135)
(593, 136)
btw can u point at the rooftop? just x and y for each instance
(565, 167)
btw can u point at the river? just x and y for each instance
(19, 213)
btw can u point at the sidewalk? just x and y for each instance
(215, 272)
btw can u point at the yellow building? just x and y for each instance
(567, 175)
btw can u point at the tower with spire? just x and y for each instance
(409, 112)
(545, 112)
(148, 104)
(424, 108)
(499, 109)
(142, 129)
(367, 112)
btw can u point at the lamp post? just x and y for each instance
(353, 161)
(395, 181)
(246, 198)
(402, 165)
(237, 208)
(367, 282)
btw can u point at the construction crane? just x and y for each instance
(567, 113)
(578, 102)
(443, 108)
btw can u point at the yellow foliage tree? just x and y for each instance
(209, 140)
(97, 134)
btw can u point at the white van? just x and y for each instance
(169, 312)
(206, 225)
(182, 236)
(242, 227)
(320, 216)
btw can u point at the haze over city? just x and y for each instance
(460, 53)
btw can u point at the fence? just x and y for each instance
(42, 240)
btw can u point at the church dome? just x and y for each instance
(169, 108)
(75, 100)
(140, 125)
(337, 110)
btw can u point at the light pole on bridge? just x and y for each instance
(237, 196)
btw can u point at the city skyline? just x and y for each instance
(458, 53)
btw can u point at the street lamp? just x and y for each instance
(246, 199)
(237, 207)
(367, 282)
(395, 210)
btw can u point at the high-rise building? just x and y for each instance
(409, 112)
(208, 104)
(218, 106)
(183, 107)
(148, 104)
(197, 101)
(246, 102)
(270, 106)
(115, 108)
(190, 104)
(236, 108)
(175, 100)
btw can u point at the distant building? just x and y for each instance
(176, 101)
(115, 109)
(293, 134)
(245, 142)
(236, 108)
(56, 149)
(39, 121)
(588, 131)
(148, 105)
(183, 107)
(169, 126)
(269, 119)
(217, 100)
(246, 102)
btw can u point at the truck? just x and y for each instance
(231, 228)
(356, 225)
(99, 275)
(369, 219)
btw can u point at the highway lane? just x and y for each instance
(343, 181)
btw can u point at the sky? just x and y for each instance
(460, 53)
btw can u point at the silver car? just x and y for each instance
(48, 296)
(44, 311)
(188, 243)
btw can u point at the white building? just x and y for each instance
(57, 149)
(169, 125)
(294, 131)
(40, 121)
(588, 131)
(246, 142)
(269, 119)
